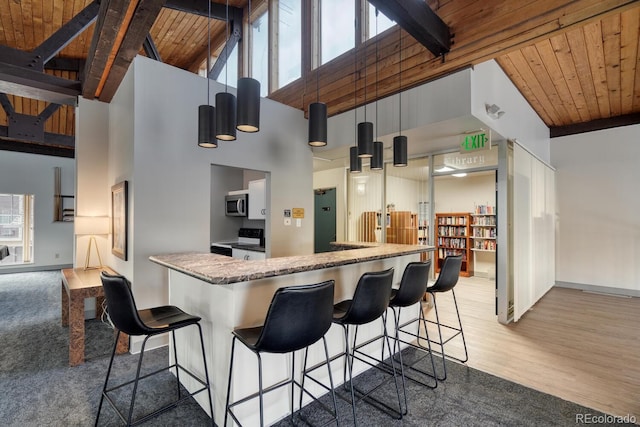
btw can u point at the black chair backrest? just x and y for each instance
(370, 299)
(121, 305)
(413, 284)
(448, 274)
(298, 317)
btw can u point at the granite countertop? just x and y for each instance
(220, 269)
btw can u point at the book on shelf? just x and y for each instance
(488, 221)
(484, 245)
(484, 233)
(485, 210)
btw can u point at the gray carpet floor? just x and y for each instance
(38, 388)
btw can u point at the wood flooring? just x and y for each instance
(582, 347)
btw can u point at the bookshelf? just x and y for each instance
(483, 232)
(453, 237)
(402, 227)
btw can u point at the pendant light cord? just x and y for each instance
(208, 50)
(400, 80)
(249, 48)
(317, 60)
(355, 92)
(226, 47)
(317, 57)
(376, 72)
(365, 81)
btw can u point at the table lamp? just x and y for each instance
(92, 226)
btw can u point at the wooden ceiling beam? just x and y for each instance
(53, 144)
(31, 148)
(594, 125)
(144, 16)
(120, 32)
(30, 83)
(150, 48)
(6, 104)
(417, 19)
(65, 35)
(234, 37)
(109, 21)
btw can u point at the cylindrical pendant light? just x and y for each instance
(207, 113)
(355, 162)
(248, 105)
(377, 161)
(248, 117)
(365, 139)
(400, 151)
(317, 110)
(400, 141)
(318, 124)
(225, 116)
(207, 126)
(225, 101)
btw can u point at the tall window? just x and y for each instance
(16, 228)
(229, 72)
(289, 41)
(384, 23)
(260, 52)
(337, 28)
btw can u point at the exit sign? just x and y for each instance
(475, 142)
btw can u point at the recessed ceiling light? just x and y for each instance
(459, 175)
(444, 169)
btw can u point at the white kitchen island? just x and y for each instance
(230, 293)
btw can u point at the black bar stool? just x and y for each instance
(445, 282)
(150, 322)
(411, 290)
(297, 318)
(370, 302)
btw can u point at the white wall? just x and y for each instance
(122, 136)
(490, 85)
(437, 101)
(405, 193)
(153, 134)
(598, 239)
(462, 194)
(92, 127)
(23, 173)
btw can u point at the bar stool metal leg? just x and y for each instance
(106, 381)
(226, 412)
(441, 341)
(331, 389)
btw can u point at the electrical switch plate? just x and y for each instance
(287, 221)
(298, 222)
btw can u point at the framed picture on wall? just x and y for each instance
(119, 220)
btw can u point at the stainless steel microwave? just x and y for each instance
(236, 205)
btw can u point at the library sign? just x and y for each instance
(478, 141)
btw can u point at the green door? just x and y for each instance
(325, 219)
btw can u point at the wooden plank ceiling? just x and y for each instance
(576, 62)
